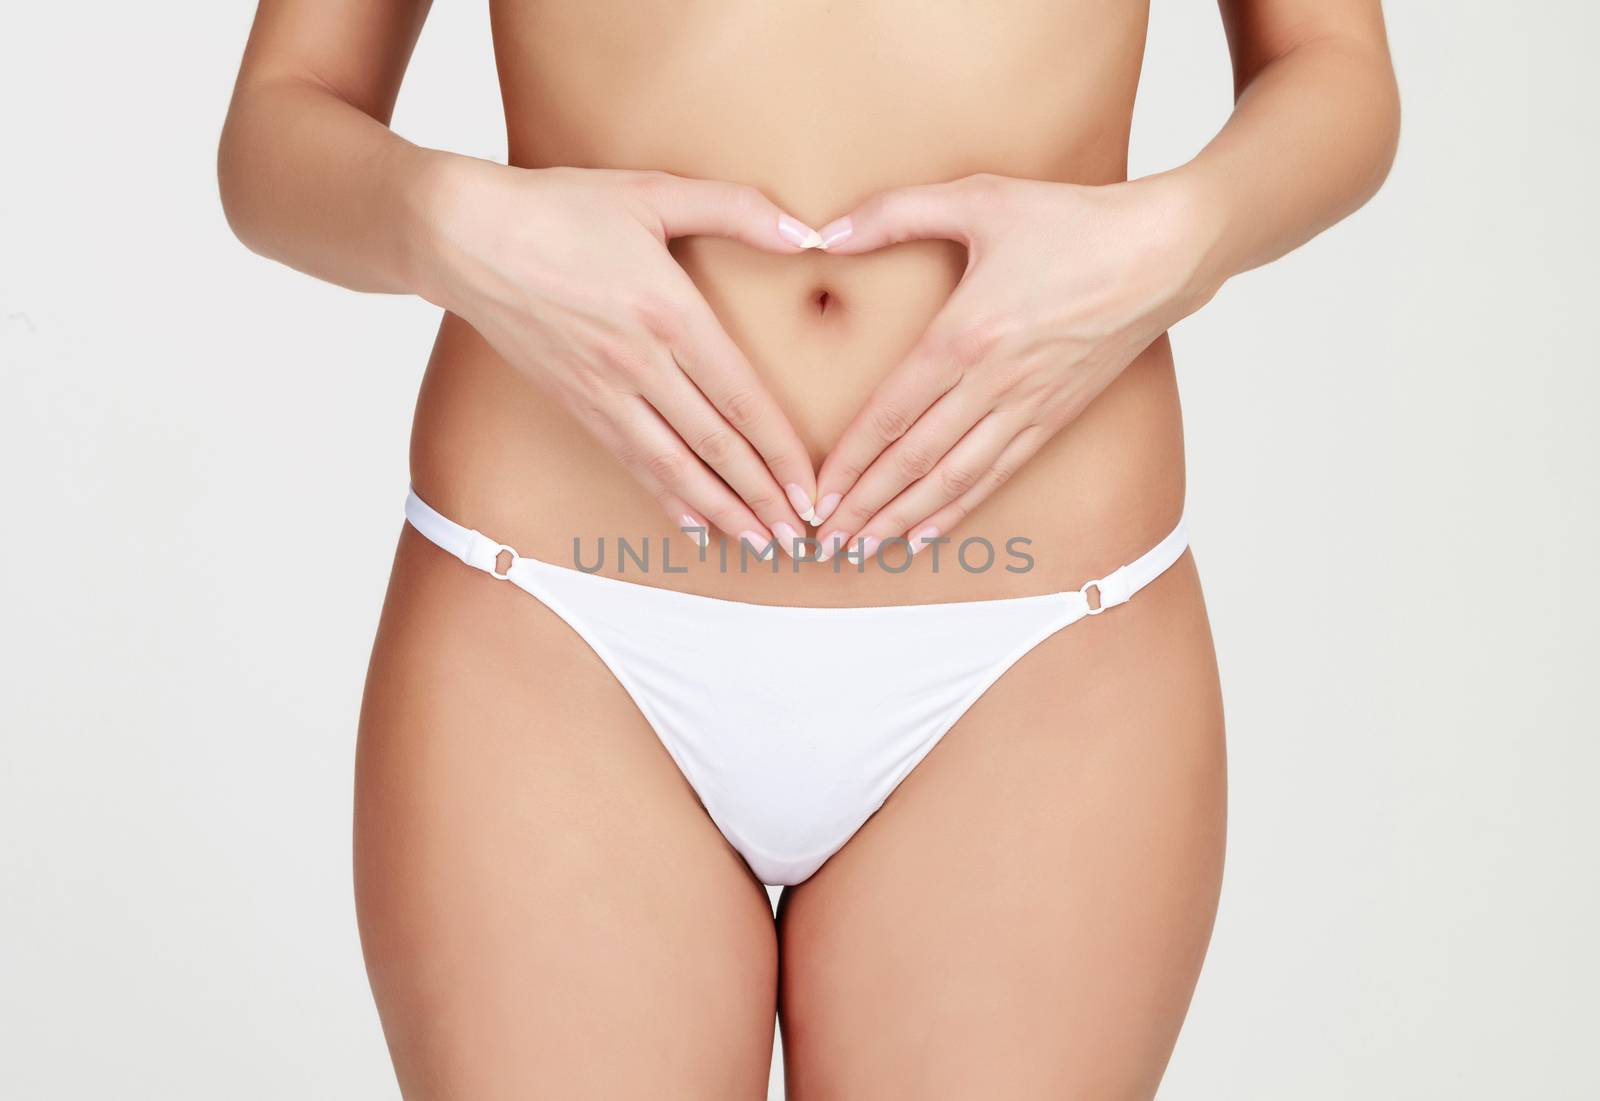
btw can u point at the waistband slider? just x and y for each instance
(484, 553)
(511, 564)
(1110, 590)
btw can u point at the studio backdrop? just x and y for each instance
(1392, 492)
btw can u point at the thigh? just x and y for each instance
(1026, 916)
(545, 909)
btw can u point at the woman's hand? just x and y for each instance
(565, 272)
(1065, 285)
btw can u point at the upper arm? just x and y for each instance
(1260, 31)
(357, 49)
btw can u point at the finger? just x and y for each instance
(663, 463)
(727, 453)
(684, 517)
(1022, 447)
(715, 365)
(686, 207)
(935, 366)
(908, 461)
(961, 471)
(636, 456)
(942, 211)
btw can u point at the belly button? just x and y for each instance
(822, 300)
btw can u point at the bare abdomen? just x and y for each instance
(819, 107)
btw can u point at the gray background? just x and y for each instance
(1392, 492)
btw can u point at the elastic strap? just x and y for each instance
(480, 552)
(472, 547)
(1119, 585)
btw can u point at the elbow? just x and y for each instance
(231, 187)
(1385, 127)
(1372, 118)
(1375, 100)
(239, 186)
(1364, 104)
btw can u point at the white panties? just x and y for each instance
(786, 772)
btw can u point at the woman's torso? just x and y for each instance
(819, 105)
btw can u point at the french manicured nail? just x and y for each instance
(835, 232)
(797, 233)
(864, 548)
(801, 503)
(923, 538)
(826, 506)
(829, 546)
(760, 545)
(788, 539)
(698, 530)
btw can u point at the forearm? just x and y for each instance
(312, 181)
(1311, 139)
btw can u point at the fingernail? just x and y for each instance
(797, 233)
(826, 506)
(923, 538)
(835, 232)
(760, 545)
(829, 546)
(869, 546)
(698, 530)
(801, 503)
(788, 539)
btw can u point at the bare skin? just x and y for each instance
(545, 908)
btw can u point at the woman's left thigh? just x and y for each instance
(1027, 915)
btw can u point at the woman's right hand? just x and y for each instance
(566, 273)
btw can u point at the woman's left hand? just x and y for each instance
(1065, 285)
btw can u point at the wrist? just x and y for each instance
(434, 203)
(1199, 234)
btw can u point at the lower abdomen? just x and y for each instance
(494, 452)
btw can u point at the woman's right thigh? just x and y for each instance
(545, 909)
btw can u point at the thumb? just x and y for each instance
(687, 207)
(942, 211)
